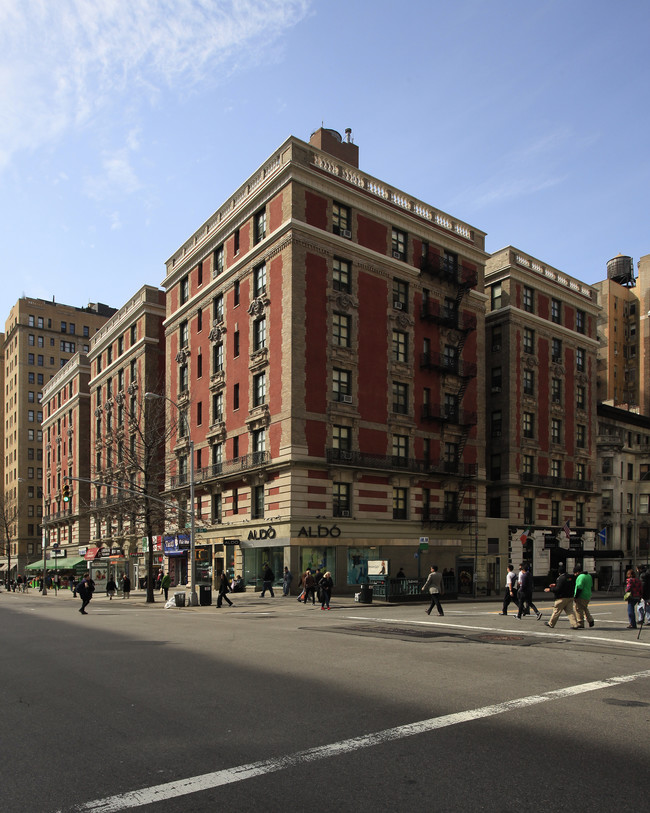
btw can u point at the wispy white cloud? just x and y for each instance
(62, 64)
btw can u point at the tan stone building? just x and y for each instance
(325, 341)
(40, 337)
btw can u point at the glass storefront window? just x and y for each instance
(358, 564)
(324, 558)
(254, 561)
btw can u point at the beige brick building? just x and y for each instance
(40, 337)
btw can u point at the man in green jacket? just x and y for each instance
(582, 597)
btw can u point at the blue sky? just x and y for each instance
(125, 123)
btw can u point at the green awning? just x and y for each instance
(64, 563)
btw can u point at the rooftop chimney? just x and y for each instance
(330, 141)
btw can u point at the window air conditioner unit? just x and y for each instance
(496, 389)
(398, 305)
(346, 233)
(347, 399)
(397, 255)
(344, 513)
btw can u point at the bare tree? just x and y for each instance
(8, 520)
(130, 461)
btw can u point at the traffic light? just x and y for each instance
(66, 493)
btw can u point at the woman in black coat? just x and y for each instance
(326, 584)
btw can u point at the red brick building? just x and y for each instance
(541, 359)
(326, 337)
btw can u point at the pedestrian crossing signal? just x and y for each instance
(66, 493)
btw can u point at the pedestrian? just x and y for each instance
(400, 574)
(224, 586)
(159, 579)
(525, 592)
(511, 590)
(286, 581)
(165, 584)
(582, 597)
(644, 577)
(267, 581)
(326, 584)
(563, 589)
(85, 590)
(633, 594)
(111, 588)
(309, 584)
(434, 585)
(72, 584)
(126, 586)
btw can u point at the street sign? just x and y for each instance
(424, 543)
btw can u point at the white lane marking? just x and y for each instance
(196, 784)
(519, 629)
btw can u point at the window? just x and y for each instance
(400, 346)
(450, 406)
(451, 506)
(217, 261)
(529, 511)
(259, 389)
(450, 358)
(400, 397)
(496, 296)
(120, 345)
(183, 378)
(341, 438)
(400, 295)
(199, 413)
(235, 293)
(580, 321)
(556, 391)
(495, 467)
(581, 360)
(400, 448)
(217, 407)
(199, 273)
(217, 308)
(529, 382)
(581, 396)
(398, 244)
(259, 226)
(496, 379)
(529, 340)
(400, 502)
(257, 502)
(341, 279)
(556, 469)
(556, 311)
(581, 436)
(217, 357)
(556, 350)
(580, 471)
(235, 397)
(184, 290)
(341, 220)
(235, 344)
(134, 334)
(199, 320)
(496, 423)
(528, 464)
(341, 329)
(529, 425)
(556, 430)
(450, 263)
(555, 512)
(259, 334)
(216, 508)
(529, 299)
(259, 280)
(183, 334)
(235, 239)
(341, 499)
(258, 443)
(341, 385)
(30, 320)
(64, 327)
(644, 503)
(31, 340)
(580, 514)
(496, 339)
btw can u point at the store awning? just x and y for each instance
(91, 553)
(63, 563)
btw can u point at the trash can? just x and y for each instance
(179, 598)
(365, 594)
(205, 595)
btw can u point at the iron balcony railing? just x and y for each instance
(373, 461)
(448, 364)
(435, 312)
(226, 468)
(439, 412)
(547, 481)
(451, 271)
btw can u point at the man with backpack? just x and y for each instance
(563, 590)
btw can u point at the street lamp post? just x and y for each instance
(194, 600)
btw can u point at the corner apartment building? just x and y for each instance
(541, 355)
(327, 337)
(127, 359)
(40, 337)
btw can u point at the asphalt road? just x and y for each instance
(272, 705)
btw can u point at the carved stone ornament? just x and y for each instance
(218, 329)
(403, 321)
(530, 361)
(119, 399)
(344, 302)
(258, 306)
(132, 388)
(98, 412)
(182, 354)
